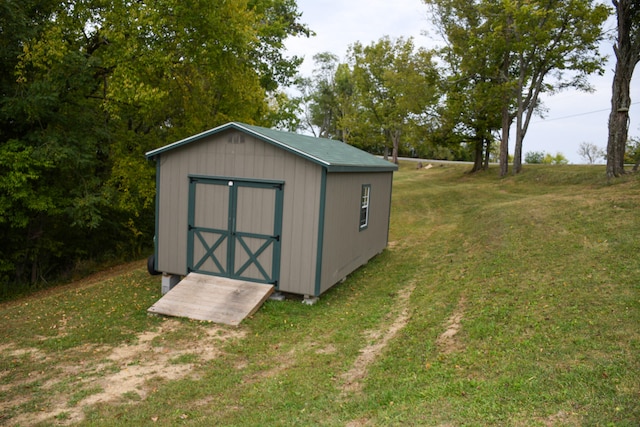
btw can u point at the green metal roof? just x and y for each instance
(335, 156)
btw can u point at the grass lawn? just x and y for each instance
(510, 302)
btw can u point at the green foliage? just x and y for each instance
(540, 157)
(325, 108)
(383, 98)
(558, 159)
(395, 86)
(88, 87)
(502, 55)
(534, 157)
(632, 152)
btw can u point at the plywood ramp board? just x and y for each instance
(212, 298)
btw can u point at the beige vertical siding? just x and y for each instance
(345, 246)
(234, 154)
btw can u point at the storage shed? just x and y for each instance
(260, 205)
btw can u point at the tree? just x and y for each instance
(476, 101)
(558, 159)
(632, 153)
(534, 157)
(324, 108)
(627, 53)
(327, 97)
(472, 108)
(50, 127)
(531, 47)
(590, 152)
(395, 85)
(88, 86)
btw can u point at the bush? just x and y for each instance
(534, 157)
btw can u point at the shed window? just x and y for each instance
(364, 206)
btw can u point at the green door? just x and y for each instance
(234, 228)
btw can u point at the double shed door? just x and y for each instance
(234, 228)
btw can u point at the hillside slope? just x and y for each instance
(498, 302)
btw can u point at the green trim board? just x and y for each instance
(389, 211)
(279, 213)
(335, 156)
(157, 219)
(320, 248)
(191, 215)
(247, 182)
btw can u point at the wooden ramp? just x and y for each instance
(217, 299)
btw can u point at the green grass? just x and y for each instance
(542, 268)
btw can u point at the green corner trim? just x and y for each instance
(157, 219)
(323, 198)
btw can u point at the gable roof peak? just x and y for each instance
(335, 156)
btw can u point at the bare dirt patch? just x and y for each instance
(329, 349)
(127, 370)
(362, 422)
(561, 418)
(276, 367)
(447, 341)
(352, 379)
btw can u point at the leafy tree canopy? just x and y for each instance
(521, 49)
(89, 86)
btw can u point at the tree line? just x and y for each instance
(88, 86)
(462, 101)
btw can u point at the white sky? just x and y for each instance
(340, 23)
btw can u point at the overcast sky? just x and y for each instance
(573, 117)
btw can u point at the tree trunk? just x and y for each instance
(504, 141)
(478, 154)
(520, 128)
(627, 55)
(506, 118)
(395, 137)
(517, 155)
(618, 120)
(517, 152)
(487, 154)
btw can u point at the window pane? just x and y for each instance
(364, 206)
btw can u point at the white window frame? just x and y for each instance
(365, 203)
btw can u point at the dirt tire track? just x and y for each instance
(352, 379)
(447, 342)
